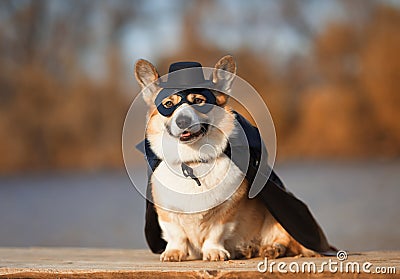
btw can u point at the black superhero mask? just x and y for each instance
(203, 100)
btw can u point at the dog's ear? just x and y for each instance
(223, 76)
(147, 76)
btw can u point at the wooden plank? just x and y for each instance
(119, 263)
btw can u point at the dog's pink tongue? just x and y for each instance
(185, 134)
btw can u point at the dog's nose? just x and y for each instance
(183, 121)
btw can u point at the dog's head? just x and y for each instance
(181, 124)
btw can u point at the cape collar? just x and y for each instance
(235, 147)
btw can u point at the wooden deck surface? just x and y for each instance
(118, 263)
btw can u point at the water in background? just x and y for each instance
(356, 204)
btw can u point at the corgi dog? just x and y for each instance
(182, 133)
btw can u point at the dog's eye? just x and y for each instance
(168, 104)
(198, 101)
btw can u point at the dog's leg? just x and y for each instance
(177, 242)
(274, 239)
(276, 242)
(213, 247)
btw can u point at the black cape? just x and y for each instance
(289, 211)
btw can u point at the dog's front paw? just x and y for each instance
(216, 255)
(173, 255)
(273, 251)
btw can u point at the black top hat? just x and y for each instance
(186, 79)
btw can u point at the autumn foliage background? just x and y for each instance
(66, 76)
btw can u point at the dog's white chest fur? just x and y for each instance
(171, 190)
(219, 179)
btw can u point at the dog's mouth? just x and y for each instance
(188, 136)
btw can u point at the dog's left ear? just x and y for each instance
(147, 76)
(223, 76)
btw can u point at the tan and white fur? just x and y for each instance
(237, 227)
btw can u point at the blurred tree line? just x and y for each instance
(340, 100)
(52, 114)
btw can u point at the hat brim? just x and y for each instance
(171, 85)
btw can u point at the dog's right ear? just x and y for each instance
(223, 75)
(147, 76)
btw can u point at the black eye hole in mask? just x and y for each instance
(168, 100)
